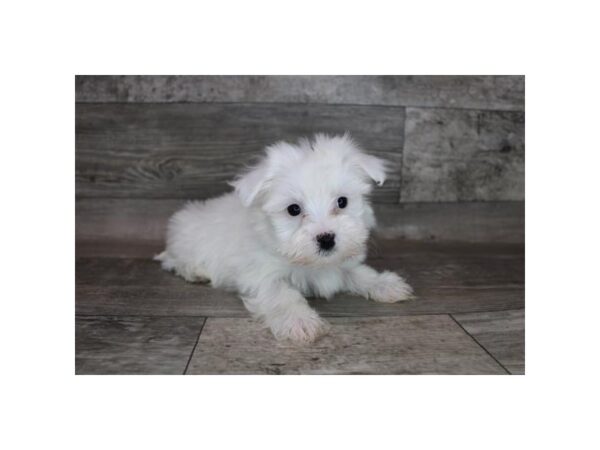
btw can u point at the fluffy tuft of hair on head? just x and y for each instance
(375, 168)
(283, 156)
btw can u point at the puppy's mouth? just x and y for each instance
(325, 252)
(320, 257)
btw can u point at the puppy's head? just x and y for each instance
(314, 196)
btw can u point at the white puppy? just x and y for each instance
(296, 225)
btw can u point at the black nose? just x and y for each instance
(326, 241)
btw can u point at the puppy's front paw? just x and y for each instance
(390, 288)
(301, 326)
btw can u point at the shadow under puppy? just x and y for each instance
(296, 225)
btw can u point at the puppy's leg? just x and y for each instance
(286, 312)
(386, 287)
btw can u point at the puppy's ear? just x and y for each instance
(279, 156)
(250, 184)
(374, 167)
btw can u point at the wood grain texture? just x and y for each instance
(447, 279)
(134, 345)
(483, 222)
(136, 227)
(482, 92)
(457, 155)
(128, 222)
(398, 345)
(192, 150)
(502, 333)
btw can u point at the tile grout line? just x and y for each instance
(478, 343)
(194, 347)
(323, 314)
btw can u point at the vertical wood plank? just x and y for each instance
(456, 155)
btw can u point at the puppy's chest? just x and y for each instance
(321, 282)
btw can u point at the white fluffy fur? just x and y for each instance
(246, 241)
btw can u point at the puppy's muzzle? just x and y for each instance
(326, 241)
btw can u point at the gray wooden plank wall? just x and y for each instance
(191, 150)
(450, 139)
(505, 93)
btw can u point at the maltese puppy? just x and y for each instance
(296, 225)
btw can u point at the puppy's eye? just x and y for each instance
(342, 202)
(294, 210)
